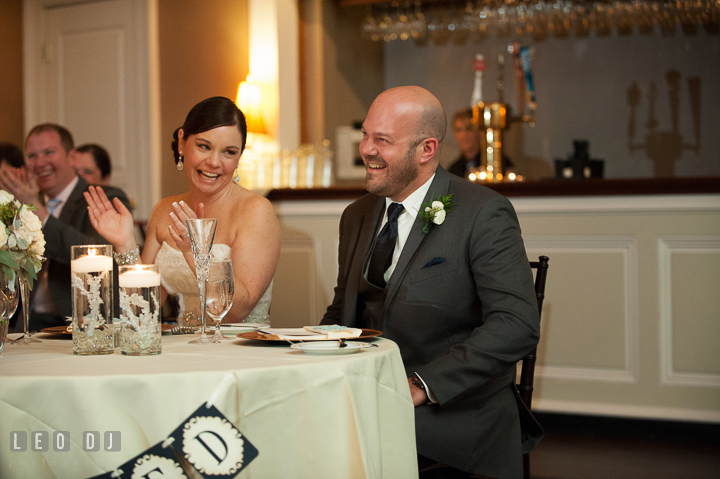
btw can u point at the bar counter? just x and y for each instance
(544, 187)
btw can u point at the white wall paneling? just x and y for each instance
(595, 247)
(675, 321)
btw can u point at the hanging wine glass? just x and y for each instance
(202, 235)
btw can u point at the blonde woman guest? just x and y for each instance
(207, 148)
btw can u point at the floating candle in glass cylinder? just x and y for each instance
(92, 285)
(140, 309)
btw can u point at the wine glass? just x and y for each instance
(202, 235)
(8, 304)
(219, 292)
(24, 286)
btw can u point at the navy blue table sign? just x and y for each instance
(212, 444)
(158, 461)
(206, 442)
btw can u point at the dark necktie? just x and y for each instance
(384, 246)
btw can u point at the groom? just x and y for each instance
(458, 300)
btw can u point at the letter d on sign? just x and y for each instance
(210, 449)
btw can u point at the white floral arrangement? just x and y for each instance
(435, 212)
(22, 243)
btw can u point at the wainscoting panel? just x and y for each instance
(690, 324)
(590, 315)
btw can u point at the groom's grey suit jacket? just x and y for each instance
(461, 306)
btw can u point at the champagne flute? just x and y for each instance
(202, 235)
(219, 292)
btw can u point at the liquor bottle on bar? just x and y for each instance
(479, 67)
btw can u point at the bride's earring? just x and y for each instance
(180, 165)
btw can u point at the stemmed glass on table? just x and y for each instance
(8, 304)
(219, 292)
(202, 235)
(24, 286)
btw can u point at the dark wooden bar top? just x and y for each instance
(549, 187)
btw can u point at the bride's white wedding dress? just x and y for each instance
(179, 280)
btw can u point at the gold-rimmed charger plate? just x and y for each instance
(64, 329)
(366, 333)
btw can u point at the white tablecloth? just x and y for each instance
(347, 416)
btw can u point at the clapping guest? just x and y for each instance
(207, 147)
(53, 187)
(92, 163)
(11, 157)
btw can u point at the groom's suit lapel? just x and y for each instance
(357, 257)
(416, 238)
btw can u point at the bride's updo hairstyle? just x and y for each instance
(210, 114)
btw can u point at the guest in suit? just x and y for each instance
(470, 141)
(458, 300)
(52, 185)
(92, 164)
(11, 157)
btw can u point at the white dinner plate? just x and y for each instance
(330, 347)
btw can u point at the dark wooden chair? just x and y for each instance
(527, 372)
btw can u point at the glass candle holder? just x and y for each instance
(140, 330)
(92, 285)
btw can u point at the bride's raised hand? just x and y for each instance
(178, 228)
(112, 221)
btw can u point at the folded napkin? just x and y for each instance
(334, 331)
(309, 333)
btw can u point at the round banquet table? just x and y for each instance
(341, 416)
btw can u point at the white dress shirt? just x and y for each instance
(405, 221)
(42, 302)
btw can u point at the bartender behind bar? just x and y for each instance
(471, 141)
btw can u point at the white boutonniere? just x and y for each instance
(435, 211)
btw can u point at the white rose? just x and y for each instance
(438, 205)
(29, 225)
(5, 197)
(38, 245)
(439, 217)
(3, 236)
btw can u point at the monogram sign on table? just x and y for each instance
(206, 443)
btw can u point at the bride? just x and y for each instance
(208, 147)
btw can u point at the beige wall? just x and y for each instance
(203, 53)
(11, 89)
(340, 75)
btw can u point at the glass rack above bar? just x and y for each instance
(538, 19)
